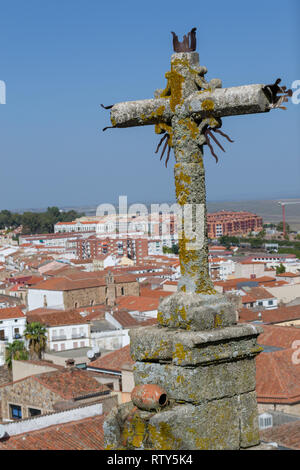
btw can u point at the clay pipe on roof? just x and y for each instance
(149, 397)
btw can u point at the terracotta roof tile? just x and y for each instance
(113, 361)
(275, 315)
(140, 304)
(277, 377)
(259, 293)
(57, 318)
(84, 434)
(11, 312)
(69, 383)
(286, 435)
(279, 336)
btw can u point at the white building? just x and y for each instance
(65, 330)
(111, 333)
(38, 298)
(12, 326)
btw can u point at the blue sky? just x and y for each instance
(61, 58)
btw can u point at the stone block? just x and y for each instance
(215, 425)
(211, 426)
(249, 420)
(196, 311)
(199, 384)
(191, 348)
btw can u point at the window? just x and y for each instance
(270, 302)
(34, 412)
(15, 411)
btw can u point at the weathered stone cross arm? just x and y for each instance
(220, 102)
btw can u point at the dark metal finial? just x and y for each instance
(188, 44)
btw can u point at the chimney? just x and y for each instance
(70, 363)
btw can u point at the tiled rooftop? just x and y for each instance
(278, 377)
(287, 435)
(114, 360)
(85, 434)
(70, 382)
(276, 315)
(11, 312)
(58, 318)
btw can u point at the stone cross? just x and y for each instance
(197, 357)
(187, 111)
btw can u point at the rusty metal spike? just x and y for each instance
(215, 139)
(211, 147)
(106, 107)
(168, 156)
(164, 149)
(160, 142)
(224, 135)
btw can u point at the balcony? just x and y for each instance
(78, 336)
(59, 338)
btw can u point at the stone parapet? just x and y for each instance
(224, 424)
(192, 348)
(196, 311)
(199, 384)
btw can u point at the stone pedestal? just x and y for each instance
(206, 364)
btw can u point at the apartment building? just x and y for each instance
(232, 223)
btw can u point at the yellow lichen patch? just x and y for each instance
(204, 286)
(163, 127)
(180, 379)
(197, 158)
(159, 112)
(159, 316)
(208, 105)
(217, 321)
(182, 182)
(182, 312)
(173, 90)
(134, 432)
(213, 122)
(203, 443)
(180, 354)
(113, 121)
(162, 438)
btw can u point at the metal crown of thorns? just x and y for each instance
(189, 45)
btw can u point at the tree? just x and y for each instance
(15, 351)
(35, 334)
(280, 269)
(261, 234)
(279, 227)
